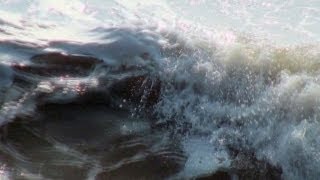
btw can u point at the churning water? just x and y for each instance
(185, 89)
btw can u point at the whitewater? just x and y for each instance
(197, 89)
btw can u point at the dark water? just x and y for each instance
(96, 142)
(88, 142)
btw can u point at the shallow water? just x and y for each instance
(159, 90)
(87, 142)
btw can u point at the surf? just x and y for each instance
(118, 96)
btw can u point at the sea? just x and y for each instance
(166, 89)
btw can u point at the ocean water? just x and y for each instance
(185, 89)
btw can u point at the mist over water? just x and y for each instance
(238, 86)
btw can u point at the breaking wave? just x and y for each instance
(206, 100)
